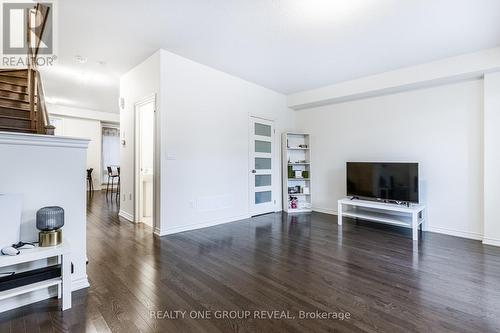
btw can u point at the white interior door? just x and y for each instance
(145, 117)
(261, 166)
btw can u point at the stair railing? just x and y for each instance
(37, 19)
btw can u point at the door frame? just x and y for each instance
(251, 164)
(137, 166)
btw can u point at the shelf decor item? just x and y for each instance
(49, 220)
(305, 174)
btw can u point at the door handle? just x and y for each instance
(253, 171)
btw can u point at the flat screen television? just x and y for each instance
(388, 181)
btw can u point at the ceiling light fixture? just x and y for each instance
(325, 11)
(82, 76)
(81, 60)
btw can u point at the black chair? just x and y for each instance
(118, 189)
(90, 183)
(112, 176)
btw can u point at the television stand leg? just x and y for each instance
(414, 219)
(339, 214)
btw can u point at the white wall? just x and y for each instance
(89, 129)
(47, 171)
(84, 123)
(440, 127)
(205, 115)
(202, 120)
(492, 159)
(137, 84)
(63, 110)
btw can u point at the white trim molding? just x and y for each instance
(444, 71)
(127, 216)
(11, 138)
(325, 210)
(453, 232)
(76, 112)
(491, 241)
(195, 226)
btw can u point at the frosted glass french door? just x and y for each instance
(261, 166)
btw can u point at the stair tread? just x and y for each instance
(20, 75)
(25, 107)
(19, 84)
(13, 99)
(17, 128)
(13, 91)
(15, 117)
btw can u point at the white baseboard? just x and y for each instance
(194, 226)
(126, 216)
(156, 231)
(491, 241)
(324, 210)
(456, 233)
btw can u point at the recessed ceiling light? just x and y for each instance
(75, 73)
(327, 11)
(101, 62)
(80, 59)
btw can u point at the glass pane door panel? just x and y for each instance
(262, 180)
(262, 130)
(262, 163)
(262, 146)
(262, 197)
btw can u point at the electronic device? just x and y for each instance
(10, 251)
(14, 249)
(383, 181)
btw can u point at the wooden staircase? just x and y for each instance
(15, 111)
(22, 102)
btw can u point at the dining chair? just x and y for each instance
(111, 177)
(90, 183)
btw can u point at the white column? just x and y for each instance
(491, 159)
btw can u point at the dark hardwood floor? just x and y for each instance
(274, 262)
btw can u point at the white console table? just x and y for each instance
(63, 283)
(412, 216)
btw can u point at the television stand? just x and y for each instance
(411, 216)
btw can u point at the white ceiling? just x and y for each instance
(284, 45)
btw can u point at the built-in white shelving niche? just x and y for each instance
(296, 153)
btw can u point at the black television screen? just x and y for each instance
(383, 180)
